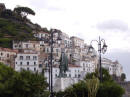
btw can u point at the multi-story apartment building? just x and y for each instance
(77, 42)
(43, 37)
(66, 40)
(74, 72)
(7, 56)
(114, 68)
(87, 66)
(34, 45)
(76, 54)
(27, 61)
(41, 34)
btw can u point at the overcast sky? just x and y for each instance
(87, 19)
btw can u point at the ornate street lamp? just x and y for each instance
(52, 31)
(102, 48)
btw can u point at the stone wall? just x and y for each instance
(126, 86)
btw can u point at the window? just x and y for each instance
(78, 75)
(69, 75)
(34, 63)
(21, 57)
(83, 64)
(34, 69)
(65, 41)
(7, 55)
(26, 45)
(16, 63)
(57, 52)
(28, 68)
(75, 75)
(55, 75)
(47, 50)
(27, 63)
(1, 54)
(27, 57)
(21, 68)
(21, 63)
(34, 57)
(34, 45)
(47, 65)
(40, 65)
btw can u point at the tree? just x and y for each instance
(34, 84)
(6, 81)
(24, 11)
(7, 13)
(92, 85)
(108, 88)
(21, 84)
(123, 77)
(76, 90)
(105, 74)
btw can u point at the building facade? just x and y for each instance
(27, 61)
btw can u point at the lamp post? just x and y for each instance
(101, 49)
(52, 31)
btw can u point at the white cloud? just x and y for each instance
(80, 17)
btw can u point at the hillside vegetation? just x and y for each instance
(14, 25)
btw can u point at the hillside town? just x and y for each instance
(40, 62)
(35, 56)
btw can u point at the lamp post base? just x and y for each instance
(52, 95)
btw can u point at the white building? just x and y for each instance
(77, 42)
(41, 34)
(117, 68)
(74, 72)
(27, 61)
(114, 68)
(66, 40)
(86, 67)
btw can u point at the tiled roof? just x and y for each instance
(8, 50)
(71, 65)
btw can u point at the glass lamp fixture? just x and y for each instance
(104, 49)
(90, 50)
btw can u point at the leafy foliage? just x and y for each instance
(123, 77)
(24, 11)
(14, 25)
(92, 85)
(7, 13)
(76, 90)
(108, 88)
(105, 74)
(11, 30)
(21, 84)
